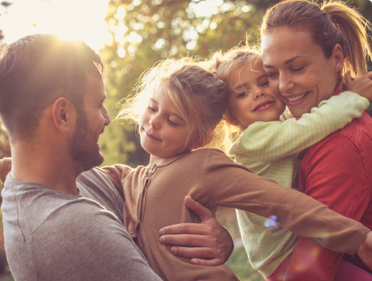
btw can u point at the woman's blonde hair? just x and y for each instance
(196, 93)
(329, 24)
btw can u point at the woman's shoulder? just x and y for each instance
(352, 134)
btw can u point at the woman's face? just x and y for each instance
(297, 69)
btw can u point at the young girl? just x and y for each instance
(269, 148)
(178, 107)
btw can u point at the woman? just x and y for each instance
(306, 50)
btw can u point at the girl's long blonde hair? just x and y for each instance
(197, 94)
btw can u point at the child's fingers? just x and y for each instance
(202, 212)
(369, 75)
(365, 250)
(347, 78)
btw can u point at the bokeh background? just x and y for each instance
(131, 36)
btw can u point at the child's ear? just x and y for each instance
(231, 119)
(200, 143)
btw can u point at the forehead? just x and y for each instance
(163, 96)
(282, 44)
(248, 73)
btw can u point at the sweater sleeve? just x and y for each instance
(234, 186)
(270, 141)
(116, 173)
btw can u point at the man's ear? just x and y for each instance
(338, 57)
(64, 115)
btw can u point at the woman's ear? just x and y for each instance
(338, 57)
(64, 115)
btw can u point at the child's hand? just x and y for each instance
(365, 250)
(361, 86)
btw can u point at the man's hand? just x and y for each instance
(206, 243)
(365, 250)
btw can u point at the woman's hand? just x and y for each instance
(206, 243)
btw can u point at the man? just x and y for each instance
(62, 219)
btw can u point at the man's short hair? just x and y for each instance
(36, 70)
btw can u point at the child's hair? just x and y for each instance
(332, 23)
(225, 65)
(232, 63)
(197, 94)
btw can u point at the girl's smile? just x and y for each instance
(264, 105)
(252, 100)
(151, 136)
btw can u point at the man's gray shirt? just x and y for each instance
(51, 235)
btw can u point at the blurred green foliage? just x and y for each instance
(146, 31)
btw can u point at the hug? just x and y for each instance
(300, 182)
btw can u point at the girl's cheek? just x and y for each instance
(274, 87)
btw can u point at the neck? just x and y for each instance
(159, 161)
(45, 165)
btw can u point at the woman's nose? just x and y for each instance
(285, 84)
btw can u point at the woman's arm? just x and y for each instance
(270, 141)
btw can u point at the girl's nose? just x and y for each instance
(260, 94)
(154, 122)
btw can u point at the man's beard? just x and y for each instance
(82, 146)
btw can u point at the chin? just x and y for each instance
(297, 111)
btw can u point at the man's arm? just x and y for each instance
(84, 242)
(207, 242)
(335, 176)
